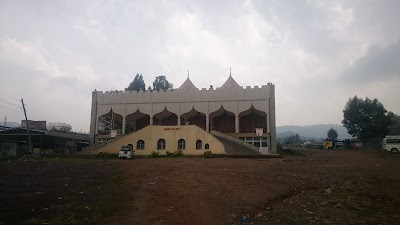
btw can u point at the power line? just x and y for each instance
(2, 99)
(8, 96)
(10, 109)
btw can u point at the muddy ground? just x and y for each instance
(322, 187)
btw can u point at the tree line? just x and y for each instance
(367, 119)
(159, 83)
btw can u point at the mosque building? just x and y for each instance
(243, 113)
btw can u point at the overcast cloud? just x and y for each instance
(317, 53)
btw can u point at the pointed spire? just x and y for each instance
(188, 84)
(230, 82)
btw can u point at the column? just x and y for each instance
(236, 123)
(237, 118)
(151, 115)
(123, 124)
(179, 114)
(207, 122)
(124, 120)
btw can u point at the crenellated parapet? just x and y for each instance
(193, 95)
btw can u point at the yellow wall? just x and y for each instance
(171, 134)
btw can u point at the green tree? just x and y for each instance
(293, 140)
(332, 134)
(161, 83)
(394, 127)
(365, 119)
(137, 84)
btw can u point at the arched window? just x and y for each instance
(207, 146)
(181, 144)
(199, 145)
(161, 144)
(140, 145)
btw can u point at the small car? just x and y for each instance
(126, 152)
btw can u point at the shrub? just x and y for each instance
(170, 154)
(207, 154)
(106, 155)
(279, 146)
(178, 153)
(154, 154)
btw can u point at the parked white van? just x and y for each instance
(126, 152)
(391, 144)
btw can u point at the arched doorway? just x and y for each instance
(251, 119)
(110, 121)
(136, 121)
(223, 121)
(194, 118)
(165, 118)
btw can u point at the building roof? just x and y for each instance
(230, 83)
(187, 85)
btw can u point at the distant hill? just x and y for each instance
(312, 131)
(10, 124)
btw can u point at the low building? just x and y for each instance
(9, 148)
(44, 141)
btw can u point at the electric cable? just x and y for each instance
(10, 109)
(2, 99)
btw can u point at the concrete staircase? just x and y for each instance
(234, 146)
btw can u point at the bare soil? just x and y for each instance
(321, 187)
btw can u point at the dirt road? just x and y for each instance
(322, 187)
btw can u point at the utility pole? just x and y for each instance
(5, 121)
(27, 128)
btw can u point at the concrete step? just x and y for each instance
(233, 148)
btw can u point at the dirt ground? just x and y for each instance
(322, 187)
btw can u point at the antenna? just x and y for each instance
(230, 71)
(188, 73)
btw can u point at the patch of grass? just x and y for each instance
(81, 161)
(207, 154)
(119, 179)
(178, 153)
(107, 155)
(154, 154)
(289, 152)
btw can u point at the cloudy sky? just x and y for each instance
(317, 53)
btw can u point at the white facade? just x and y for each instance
(230, 109)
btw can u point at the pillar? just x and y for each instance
(207, 122)
(124, 120)
(123, 124)
(236, 123)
